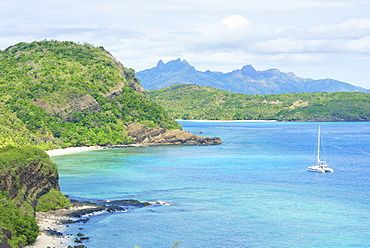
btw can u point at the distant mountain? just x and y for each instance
(246, 80)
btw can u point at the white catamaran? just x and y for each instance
(321, 166)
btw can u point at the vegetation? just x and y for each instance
(52, 200)
(24, 174)
(23, 226)
(14, 160)
(59, 94)
(198, 102)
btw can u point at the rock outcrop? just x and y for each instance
(158, 136)
(75, 102)
(3, 241)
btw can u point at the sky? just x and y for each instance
(312, 38)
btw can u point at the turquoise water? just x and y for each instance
(251, 191)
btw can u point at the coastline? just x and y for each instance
(50, 222)
(53, 224)
(69, 150)
(228, 120)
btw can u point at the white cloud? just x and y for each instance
(361, 45)
(214, 34)
(235, 22)
(362, 23)
(352, 28)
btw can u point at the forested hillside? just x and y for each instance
(199, 102)
(59, 94)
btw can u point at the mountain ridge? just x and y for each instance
(246, 80)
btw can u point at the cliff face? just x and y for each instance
(159, 136)
(26, 174)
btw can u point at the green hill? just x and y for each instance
(199, 102)
(60, 94)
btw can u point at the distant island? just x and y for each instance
(246, 80)
(194, 102)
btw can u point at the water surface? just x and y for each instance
(251, 191)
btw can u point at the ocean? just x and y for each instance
(253, 190)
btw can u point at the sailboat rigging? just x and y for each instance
(320, 166)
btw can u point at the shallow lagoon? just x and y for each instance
(251, 191)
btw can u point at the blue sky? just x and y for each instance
(313, 38)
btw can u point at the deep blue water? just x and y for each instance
(251, 191)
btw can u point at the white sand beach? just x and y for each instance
(72, 150)
(51, 221)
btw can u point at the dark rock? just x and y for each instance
(76, 204)
(54, 233)
(102, 206)
(79, 246)
(80, 213)
(71, 221)
(132, 203)
(8, 235)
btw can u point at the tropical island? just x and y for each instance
(56, 95)
(61, 94)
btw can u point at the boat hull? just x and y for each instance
(320, 169)
(315, 168)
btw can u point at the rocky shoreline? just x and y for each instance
(52, 228)
(144, 136)
(53, 224)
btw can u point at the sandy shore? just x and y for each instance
(51, 221)
(86, 148)
(72, 150)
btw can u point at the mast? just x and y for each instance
(318, 146)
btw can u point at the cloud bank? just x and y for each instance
(316, 39)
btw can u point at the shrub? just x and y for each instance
(23, 227)
(52, 200)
